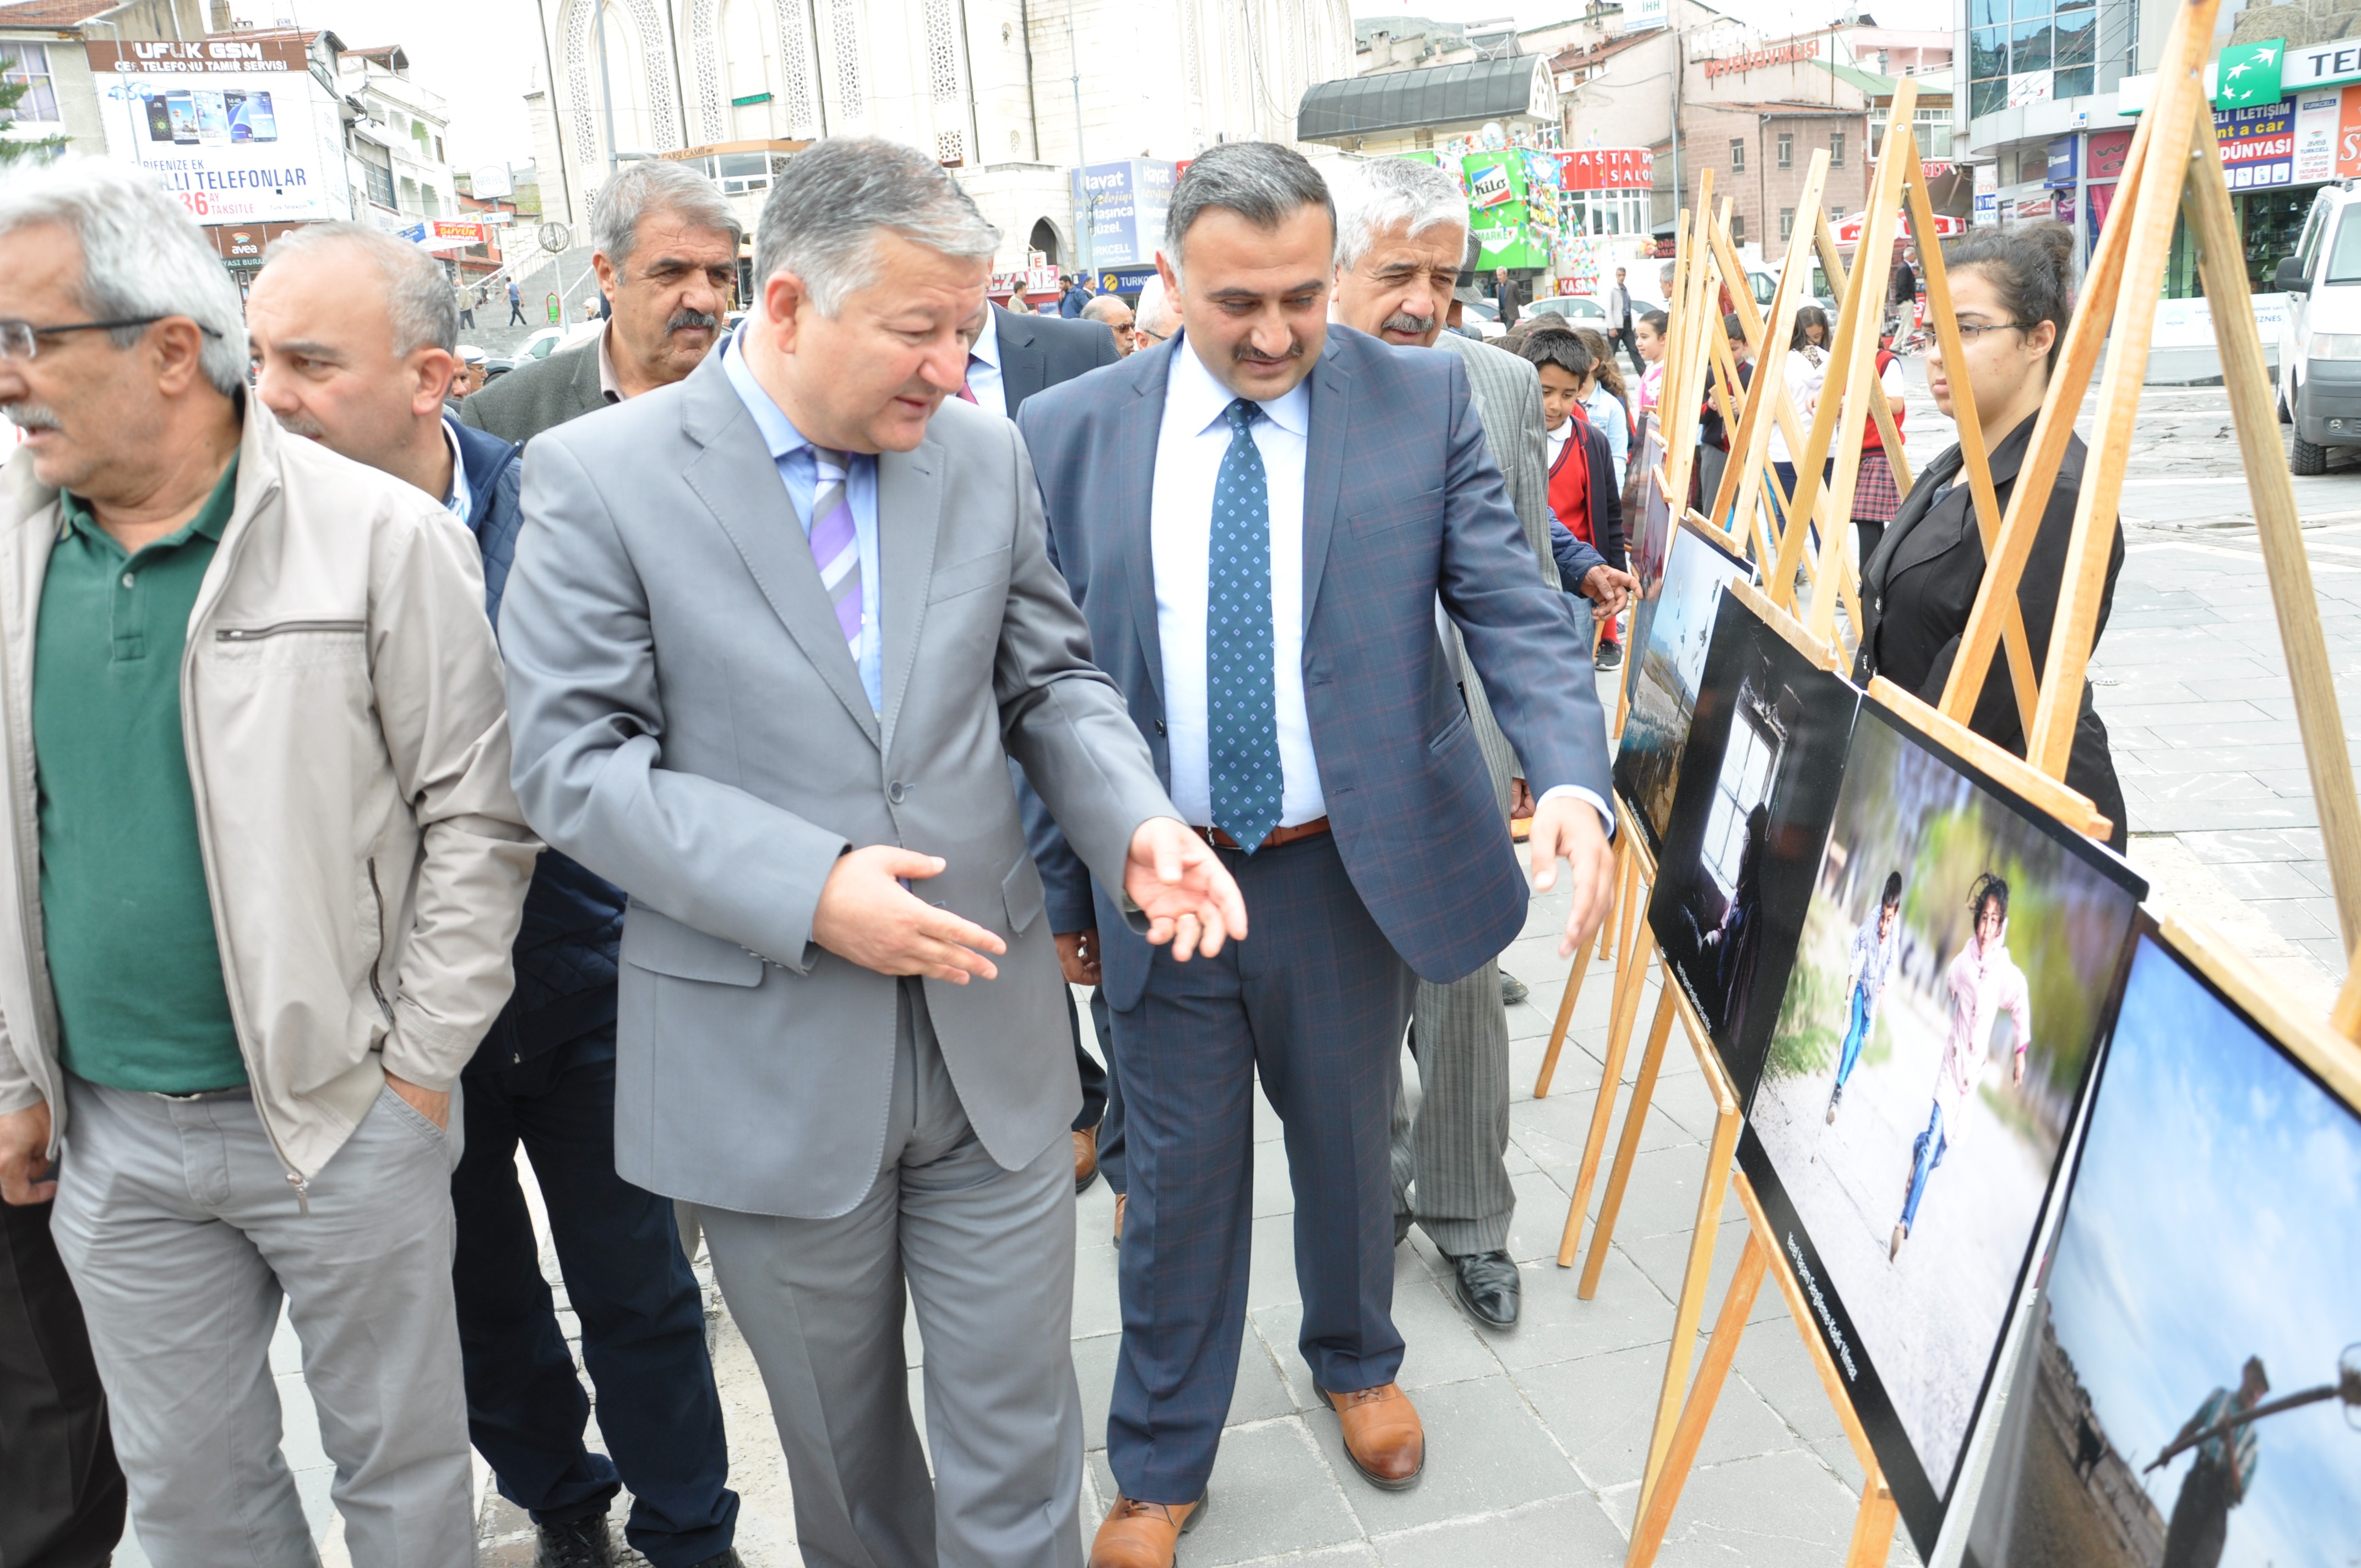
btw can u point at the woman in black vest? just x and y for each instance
(2011, 292)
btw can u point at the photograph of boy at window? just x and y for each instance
(2011, 290)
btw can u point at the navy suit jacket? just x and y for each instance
(1402, 503)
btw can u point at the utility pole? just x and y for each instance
(606, 90)
(1085, 208)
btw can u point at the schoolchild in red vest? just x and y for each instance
(1582, 494)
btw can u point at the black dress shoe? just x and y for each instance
(725, 1558)
(1487, 1287)
(1513, 990)
(577, 1543)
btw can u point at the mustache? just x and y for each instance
(1245, 351)
(32, 416)
(683, 320)
(1403, 320)
(303, 424)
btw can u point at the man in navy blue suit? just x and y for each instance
(1259, 519)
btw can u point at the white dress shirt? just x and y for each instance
(984, 368)
(1189, 451)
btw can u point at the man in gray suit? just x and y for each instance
(1401, 235)
(666, 255)
(838, 1020)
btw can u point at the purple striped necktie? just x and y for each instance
(835, 543)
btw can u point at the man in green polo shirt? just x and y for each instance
(123, 887)
(257, 908)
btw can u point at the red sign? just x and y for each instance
(1756, 59)
(1848, 229)
(2104, 157)
(1609, 169)
(445, 228)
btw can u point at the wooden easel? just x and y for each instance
(2117, 293)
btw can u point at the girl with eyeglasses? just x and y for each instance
(2011, 293)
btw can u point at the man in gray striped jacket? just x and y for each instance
(1401, 235)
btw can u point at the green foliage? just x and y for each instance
(13, 148)
(1805, 1041)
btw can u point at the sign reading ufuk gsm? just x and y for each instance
(224, 124)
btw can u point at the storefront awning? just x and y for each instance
(1436, 95)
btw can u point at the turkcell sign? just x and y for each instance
(1121, 206)
(2258, 145)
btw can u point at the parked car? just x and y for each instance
(1484, 319)
(1577, 310)
(2320, 335)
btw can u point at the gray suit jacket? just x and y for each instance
(690, 726)
(533, 398)
(1506, 391)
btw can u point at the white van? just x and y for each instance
(2320, 340)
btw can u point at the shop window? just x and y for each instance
(1737, 156)
(1787, 150)
(2035, 49)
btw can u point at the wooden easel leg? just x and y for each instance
(1657, 1502)
(1564, 1018)
(1635, 1123)
(1629, 985)
(1872, 1526)
(1691, 1306)
(1626, 874)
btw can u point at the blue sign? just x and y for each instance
(1119, 209)
(1130, 280)
(2064, 158)
(415, 234)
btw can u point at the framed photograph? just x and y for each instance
(2189, 1390)
(1672, 623)
(1647, 513)
(1758, 783)
(1928, 1058)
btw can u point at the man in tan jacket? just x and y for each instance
(264, 871)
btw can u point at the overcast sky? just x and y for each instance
(481, 55)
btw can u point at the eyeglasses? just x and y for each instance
(1151, 333)
(22, 340)
(1971, 331)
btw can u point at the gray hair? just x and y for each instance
(417, 293)
(656, 185)
(141, 255)
(1388, 193)
(1154, 311)
(822, 219)
(1262, 181)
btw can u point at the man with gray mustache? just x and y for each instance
(666, 255)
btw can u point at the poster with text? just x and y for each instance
(225, 125)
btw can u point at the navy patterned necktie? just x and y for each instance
(1241, 703)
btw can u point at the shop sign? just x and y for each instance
(445, 228)
(225, 125)
(1608, 168)
(2322, 65)
(243, 242)
(1791, 53)
(2030, 87)
(2061, 161)
(2258, 145)
(2104, 154)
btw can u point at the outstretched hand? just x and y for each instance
(1568, 826)
(1183, 889)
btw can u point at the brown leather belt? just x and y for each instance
(1221, 841)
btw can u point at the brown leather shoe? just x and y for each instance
(1143, 1535)
(1120, 1200)
(1383, 1436)
(1086, 1159)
